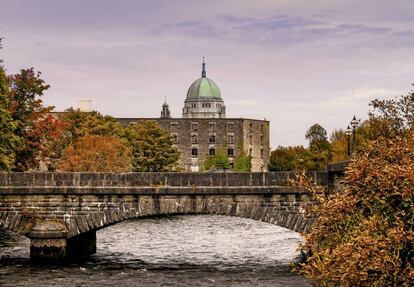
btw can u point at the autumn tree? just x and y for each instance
(8, 140)
(80, 124)
(152, 148)
(364, 235)
(339, 143)
(36, 127)
(391, 118)
(96, 154)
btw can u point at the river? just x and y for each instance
(175, 251)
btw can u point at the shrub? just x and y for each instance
(364, 235)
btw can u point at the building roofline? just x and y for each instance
(193, 119)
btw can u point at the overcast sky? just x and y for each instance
(294, 63)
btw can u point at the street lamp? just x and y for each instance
(348, 133)
(354, 124)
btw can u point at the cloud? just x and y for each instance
(286, 30)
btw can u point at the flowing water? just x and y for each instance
(174, 251)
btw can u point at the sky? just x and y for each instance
(294, 63)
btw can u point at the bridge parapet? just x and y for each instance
(151, 179)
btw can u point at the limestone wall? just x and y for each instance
(90, 201)
(29, 180)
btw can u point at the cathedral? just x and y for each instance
(204, 129)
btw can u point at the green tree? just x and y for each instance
(319, 146)
(96, 154)
(290, 159)
(317, 137)
(282, 159)
(242, 162)
(218, 161)
(152, 148)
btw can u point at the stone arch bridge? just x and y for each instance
(61, 212)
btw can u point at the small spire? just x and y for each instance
(203, 72)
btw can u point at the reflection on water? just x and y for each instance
(176, 251)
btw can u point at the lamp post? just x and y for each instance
(354, 124)
(348, 133)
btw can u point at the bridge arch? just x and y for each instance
(285, 211)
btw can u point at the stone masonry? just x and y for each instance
(60, 212)
(231, 133)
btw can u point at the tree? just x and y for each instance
(339, 144)
(319, 146)
(36, 128)
(80, 124)
(8, 140)
(317, 137)
(218, 161)
(391, 118)
(152, 148)
(243, 161)
(290, 159)
(364, 235)
(96, 154)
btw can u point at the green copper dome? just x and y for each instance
(203, 88)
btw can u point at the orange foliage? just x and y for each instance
(364, 235)
(96, 154)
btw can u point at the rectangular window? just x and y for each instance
(261, 128)
(250, 152)
(173, 127)
(229, 127)
(230, 152)
(194, 152)
(251, 127)
(212, 139)
(211, 127)
(212, 151)
(194, 127)
(194, 139)
(261, 139)
(261, 153)
(251, 139)
(174, 138)
(230, 139)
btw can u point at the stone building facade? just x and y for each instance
(198, 138)
(204, 129)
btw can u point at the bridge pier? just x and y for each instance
(48, 243)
